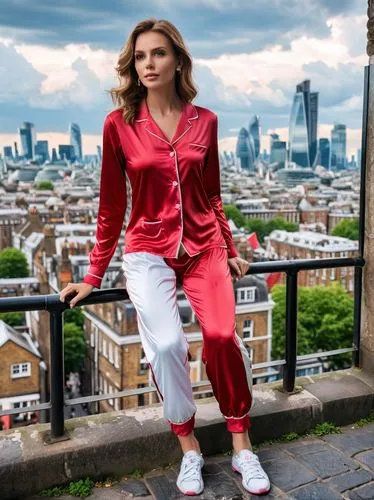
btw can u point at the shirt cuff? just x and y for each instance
(92, 280)
(232, 251)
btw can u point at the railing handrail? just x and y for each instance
(52, 302)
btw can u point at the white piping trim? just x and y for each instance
(98, 277)
(236, 418)
(142, 120)
(200, 145)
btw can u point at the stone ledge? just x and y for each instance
(119, 442)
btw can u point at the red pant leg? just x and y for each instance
(208, 285)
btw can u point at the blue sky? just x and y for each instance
(57, 60)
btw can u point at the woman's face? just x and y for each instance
(155, 60)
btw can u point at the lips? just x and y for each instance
(150, 75)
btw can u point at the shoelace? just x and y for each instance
(253, 467)
(191, 468)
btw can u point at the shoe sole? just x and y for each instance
(261, 491)
(190, 493)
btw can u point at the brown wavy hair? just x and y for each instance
(128, 94)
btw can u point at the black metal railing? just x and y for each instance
(56, 308)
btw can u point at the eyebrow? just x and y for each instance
(156, 48)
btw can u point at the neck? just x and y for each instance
(163, 103)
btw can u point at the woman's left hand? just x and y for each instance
(239, 267)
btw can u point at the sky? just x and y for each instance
(57, 62)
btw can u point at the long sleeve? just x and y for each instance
(112, 205)
(212, 185)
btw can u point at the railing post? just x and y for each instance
(57, 375)
(289, 370)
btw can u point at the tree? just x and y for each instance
(234, 214)
(257, 226)
(74, 347)
(346, 228)
(325, 321)
(263, 229)
(44, 185)
(280, 223)
(75, 316)
(13, 318)
(13, 264)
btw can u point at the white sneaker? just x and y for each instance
(190, 481)
(255, 479)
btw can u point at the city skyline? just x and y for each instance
(56, 73)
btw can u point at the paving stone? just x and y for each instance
(211, 468)
(328, 463)
(314, 491)
(366, 458)
(270, 454)
(353, 440)
(163, 489)
(222, 487)
(350, 480)
(364, 493)
(287, 474)
(305, 447)
(134, 487)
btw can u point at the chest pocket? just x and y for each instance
(197, 152)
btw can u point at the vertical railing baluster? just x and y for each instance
(289, 370)
(57, 374)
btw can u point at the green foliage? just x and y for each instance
(74, 315)
(80, 488)
(325, 321)
(325, 428)
(13, 318)
(263, 229)
(364, 421)
(234, 214)
(346, 228)
(44, 185)
(74, 347)
(257, 226)
(13, 264)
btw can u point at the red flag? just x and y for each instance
(253, 241)
(272, 279)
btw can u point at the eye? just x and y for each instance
(160, 52)
(138, 56)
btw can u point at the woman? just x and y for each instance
(167, 148)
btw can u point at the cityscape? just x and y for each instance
(289, 136)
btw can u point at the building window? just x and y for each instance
(248, 329)
(111, 358)
(19, 370)
(141, 396)
(117, 402)
(116, 357)
(245, 295)
(332, 273)
(110, 391)
(143, 364)
(105, 348)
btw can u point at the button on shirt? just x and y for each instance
(173, 202)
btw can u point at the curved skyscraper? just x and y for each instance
(76, 140)
(299, 123)
(254, 131)
(298, 133)
(245, 149)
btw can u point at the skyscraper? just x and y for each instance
(338, 146)
(244, 150)
(324, 153)
(254, 131)
(278, 152)
(76, 140)
(41, 151)
(8, 153)
(303, 126)
(28, 140)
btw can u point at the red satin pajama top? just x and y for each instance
(175, 188)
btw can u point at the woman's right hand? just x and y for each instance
(79, 290)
